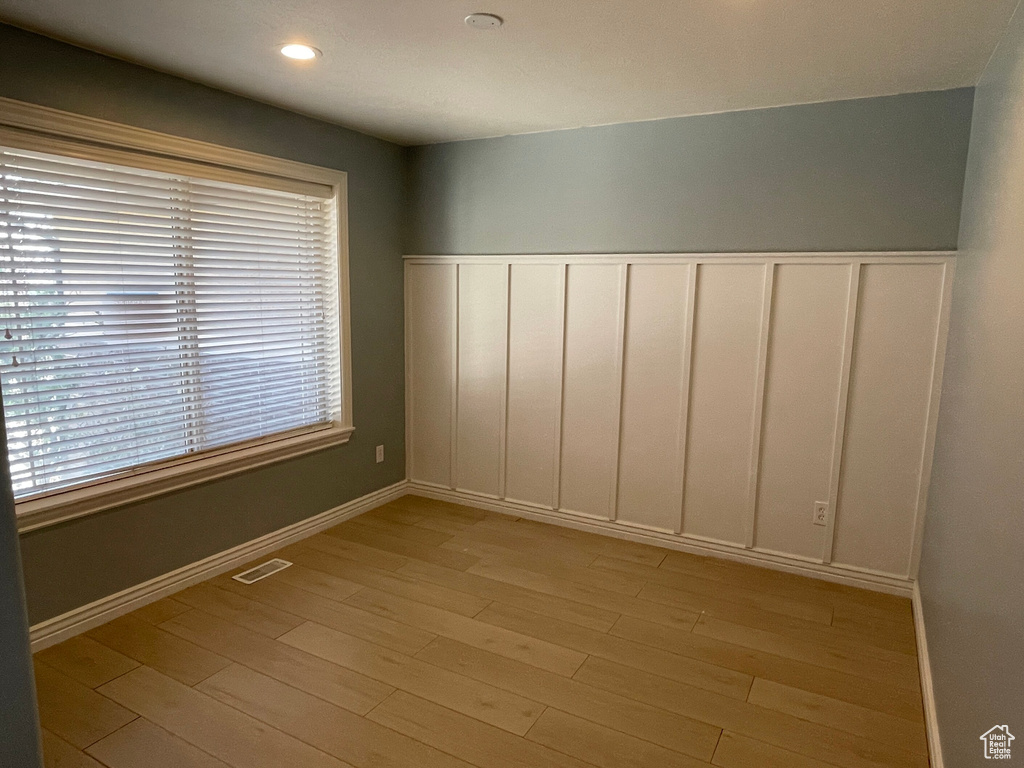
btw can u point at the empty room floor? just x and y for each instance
(429, 635)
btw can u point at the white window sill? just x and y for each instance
(119, 490)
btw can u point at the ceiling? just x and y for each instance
(412, 72)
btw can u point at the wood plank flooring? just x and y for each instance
(431, 635)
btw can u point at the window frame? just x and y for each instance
(33, 127)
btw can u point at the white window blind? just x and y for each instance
(147, 316)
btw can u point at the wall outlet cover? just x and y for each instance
(821, 513)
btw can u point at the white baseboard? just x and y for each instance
(924, 665)
(79, 620)
(877, 582)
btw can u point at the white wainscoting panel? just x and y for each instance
(723, 387)
(595, 303)
(536, 313)
(710, 400)
(651, 442)
(480, 403)
(802, 390)
(430, 356)
(887, 423)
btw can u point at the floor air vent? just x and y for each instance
(261, 571)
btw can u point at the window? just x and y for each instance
(155, 313)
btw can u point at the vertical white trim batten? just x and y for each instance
(839, 431)
(684, 390)
(503, 418)
(556, 496)
(620, 356)
(934, 396)
(409, 446)
(758, 419)
(454, 421)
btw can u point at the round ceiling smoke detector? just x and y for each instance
(484, 21)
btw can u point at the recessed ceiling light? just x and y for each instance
(300, 51)
(484, 21)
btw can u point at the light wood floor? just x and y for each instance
(429, 635)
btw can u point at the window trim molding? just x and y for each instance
(37, 123)
(175, 475)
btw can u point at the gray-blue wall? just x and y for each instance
(19, 722)
(69, 565)
(883, 173)
(972, 567)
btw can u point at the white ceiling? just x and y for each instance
(411, 71)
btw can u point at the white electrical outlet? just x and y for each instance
(380, 453)
(821, 513)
